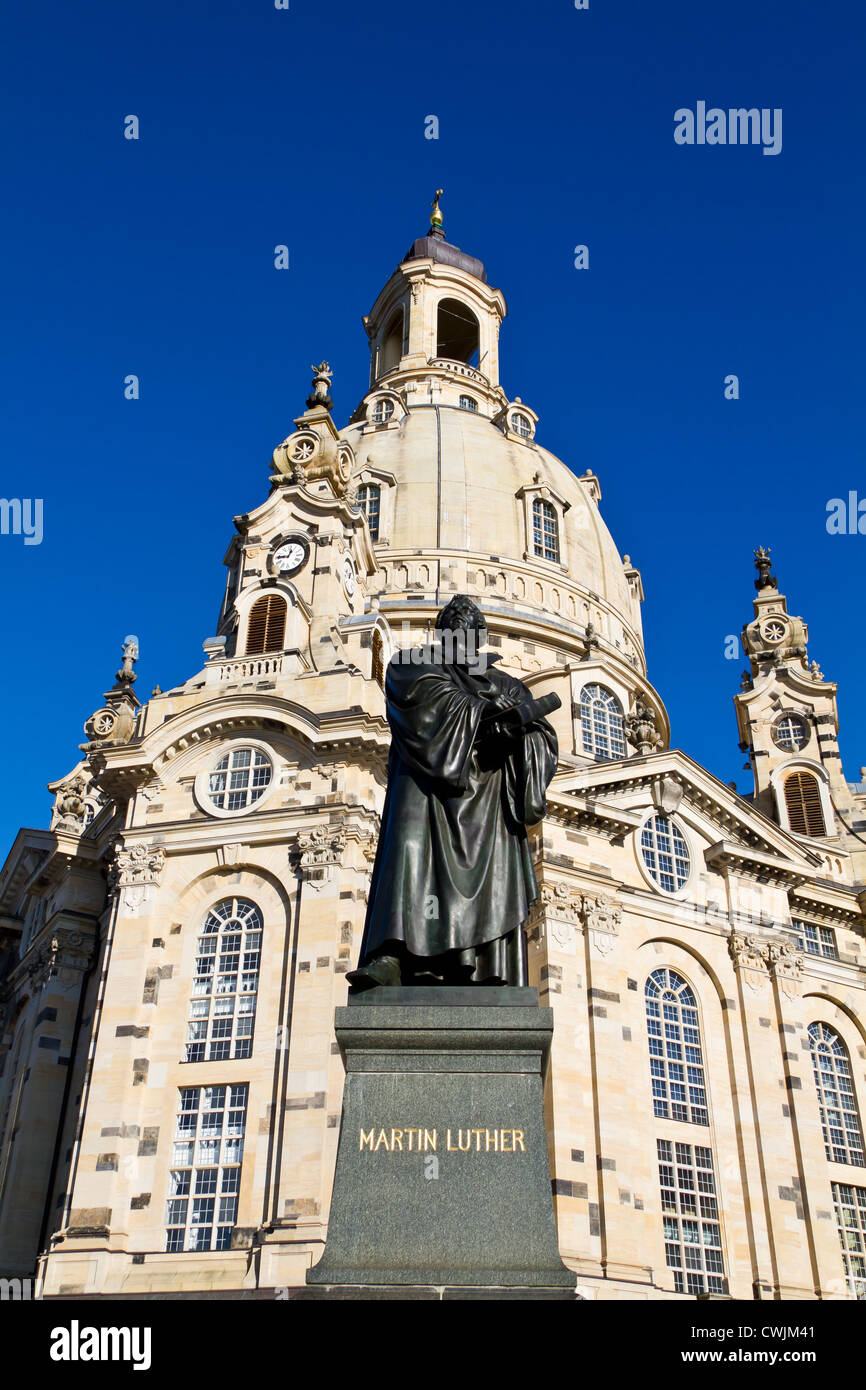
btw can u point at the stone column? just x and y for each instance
(791, 1273)
(809, 1193)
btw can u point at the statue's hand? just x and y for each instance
(499, 702)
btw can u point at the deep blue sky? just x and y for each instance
(306, 127)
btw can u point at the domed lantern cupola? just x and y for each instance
(437, 318)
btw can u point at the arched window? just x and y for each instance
(456, 332)
(803, 803)
(676, 1061)
(393, 344)
(601, 723)
(369, 500)
(382, 411)
(266, 629)
(468, 403)
(522, 425)
(545, 530)
(378, 664)
(223, 1004)
(840, 1119)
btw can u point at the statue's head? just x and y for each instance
(464, 631)
(461, 614)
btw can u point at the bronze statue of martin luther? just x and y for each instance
(471, 759)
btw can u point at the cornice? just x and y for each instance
(577, 810)
(829, 902)
(281, 826)
(726, 856)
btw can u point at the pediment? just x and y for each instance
(621, 792)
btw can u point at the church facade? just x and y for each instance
(173, 947)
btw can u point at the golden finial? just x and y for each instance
(436, 215)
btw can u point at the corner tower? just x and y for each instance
(789, 726)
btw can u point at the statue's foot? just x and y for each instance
(383, 970)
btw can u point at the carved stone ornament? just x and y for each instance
(321, 392)
(640, 727)
(139, 864)
(602, 919)
(294, 456)
(101, 724)
(786, 965)
(555, 916)
(65, 951)
(70, 807)
(319, 849)
(603, 915)
(560, 901)
(115, 721)
(749, 952)
(126, 675)
(234, 853)
(763, 564)
(777, 955)
(134, 873)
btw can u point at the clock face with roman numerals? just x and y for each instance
(290, 556)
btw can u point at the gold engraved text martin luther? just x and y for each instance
(503, 1141)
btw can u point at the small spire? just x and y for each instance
(321, 393)
(126, 677)
(115, 721)
(436, 219)
(765, 579)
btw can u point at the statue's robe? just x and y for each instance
(453, 880)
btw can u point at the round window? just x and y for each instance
(773, 631)
(521, 425)
(665, 854)
(382, 411)
(790, 733)
(236, 782)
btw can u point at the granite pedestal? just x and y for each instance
(442, 1185)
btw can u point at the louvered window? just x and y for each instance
(267, 625)
(378, 662)
(223, 1006)
(803, 802)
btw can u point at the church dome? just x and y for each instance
(463, 485)
(460, 494)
